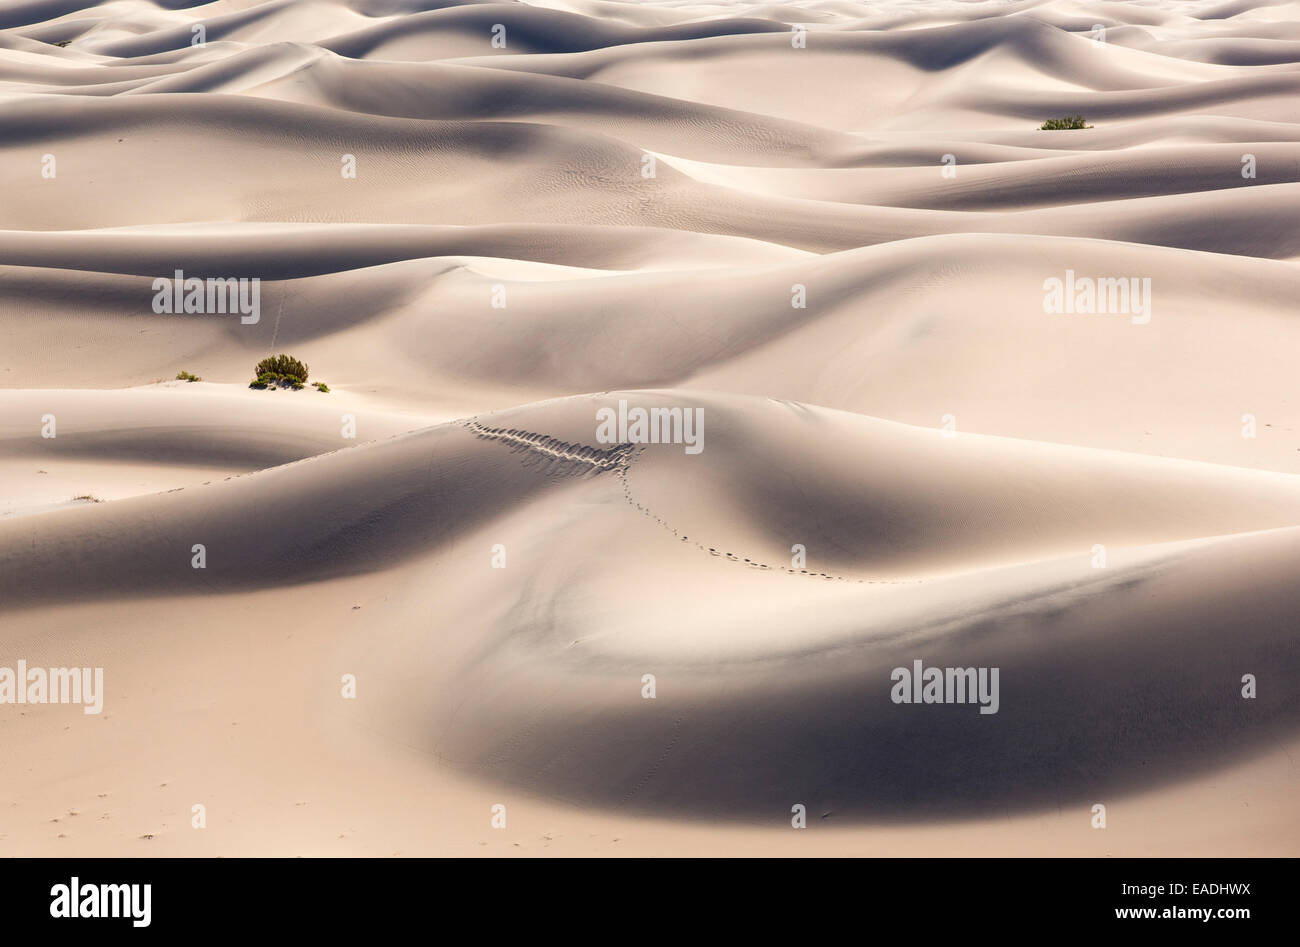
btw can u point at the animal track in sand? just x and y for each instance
(619, 459)
(611, 458)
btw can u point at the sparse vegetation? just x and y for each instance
(186, 376)
(280, 371)
(321, 387)
(1061, 124)
(282, 364)
(89, 498)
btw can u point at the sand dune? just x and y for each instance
(827, 230)
(910, 330)
(434, 172)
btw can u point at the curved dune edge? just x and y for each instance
(546, 696)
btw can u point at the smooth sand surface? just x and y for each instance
(838, 262)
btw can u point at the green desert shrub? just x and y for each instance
(1061, 124)
(280, 371)
(282, 365)
(321, 387)
(186, 376)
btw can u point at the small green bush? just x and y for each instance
(186, 376)
(282, 365)
(1061, 124)
(280, 371)
(321, 387)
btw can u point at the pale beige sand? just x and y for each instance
(518, 171)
